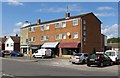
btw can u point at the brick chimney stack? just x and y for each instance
(16, 35)
(38, 21)
(67, 15)
(5, 37)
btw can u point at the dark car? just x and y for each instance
(16, 53)
(100, 59)
(2, 53)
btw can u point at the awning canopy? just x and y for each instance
(49, 44)
(69, 45)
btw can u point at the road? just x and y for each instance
(22, 68)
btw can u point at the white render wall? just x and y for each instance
(10, 43)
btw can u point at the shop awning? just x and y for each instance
(49, 44)
(69, 45)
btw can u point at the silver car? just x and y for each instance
(79, 58)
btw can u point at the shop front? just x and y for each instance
(68, 48)
(53, 46)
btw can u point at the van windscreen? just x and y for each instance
(110, 53)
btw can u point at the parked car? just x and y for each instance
(114, 55)
(2, 53)
(42, 53)
(100, 59)
(16, 53)
(79, 58)
(6, 52)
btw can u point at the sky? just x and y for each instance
(15, 13)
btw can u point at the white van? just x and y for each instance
(42, 53)
(114, 55)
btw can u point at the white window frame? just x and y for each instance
(84, 21)
(63, 36)
(64, 25)
(33, 39)
(41, 38)
(56, 26)
(75, 35)
(47, 27)
(75, 22)
(56, 37)
(46, 37)
(84, 33)
(42, 26)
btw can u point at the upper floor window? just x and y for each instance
(75, 35)
(75, 22)
(63, 36)
(84, 33)
(30, 39)
(46, 37)
(42, 27)
(11, 44)
(47, 27)
(57, 37)
(57, 25)
(34, 38)
(84, 27)
(84, 21)
(7, 45)
(41, 38)
(32, 29)
(63, 24)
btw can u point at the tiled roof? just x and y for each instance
(3, 40)
(16, 39)
(61, 20)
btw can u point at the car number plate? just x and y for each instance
(92, 59)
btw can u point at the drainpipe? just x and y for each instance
(81, 35)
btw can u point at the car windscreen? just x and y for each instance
(110, 53)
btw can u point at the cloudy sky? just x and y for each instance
(14, 14)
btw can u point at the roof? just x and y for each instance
(82, 15)
(114, 45)
(3, 39)
(16, 39)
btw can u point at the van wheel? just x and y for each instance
(43, 57)
(34, 56)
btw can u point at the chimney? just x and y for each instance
(16, 35)
(38, 21)
(4, 36)
(67, 15)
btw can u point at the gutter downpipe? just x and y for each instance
(81, 35)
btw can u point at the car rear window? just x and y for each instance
(92, 56)
(77, 54)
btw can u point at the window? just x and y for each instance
(75, 35)
(46, 37)
(47, 27)
(63, 36)
(84, 33)
(42, 27)
(57, 36)
(33, 29)
(84, 21)
(84, 27)
(84, 38)
(34, 38)
(75, 22)
(30, 29)
(63, 24)
(30, 39)
(41, 38)
(57, 25)
(7, 45)
(11, 44)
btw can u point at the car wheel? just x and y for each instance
(101, 64)
(111, 63)
(83, 62)
(73, 62)
(88, 65)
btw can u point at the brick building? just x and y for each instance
(81, 33)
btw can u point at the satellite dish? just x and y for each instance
(68, 33)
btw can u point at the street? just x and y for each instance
(53, 67)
